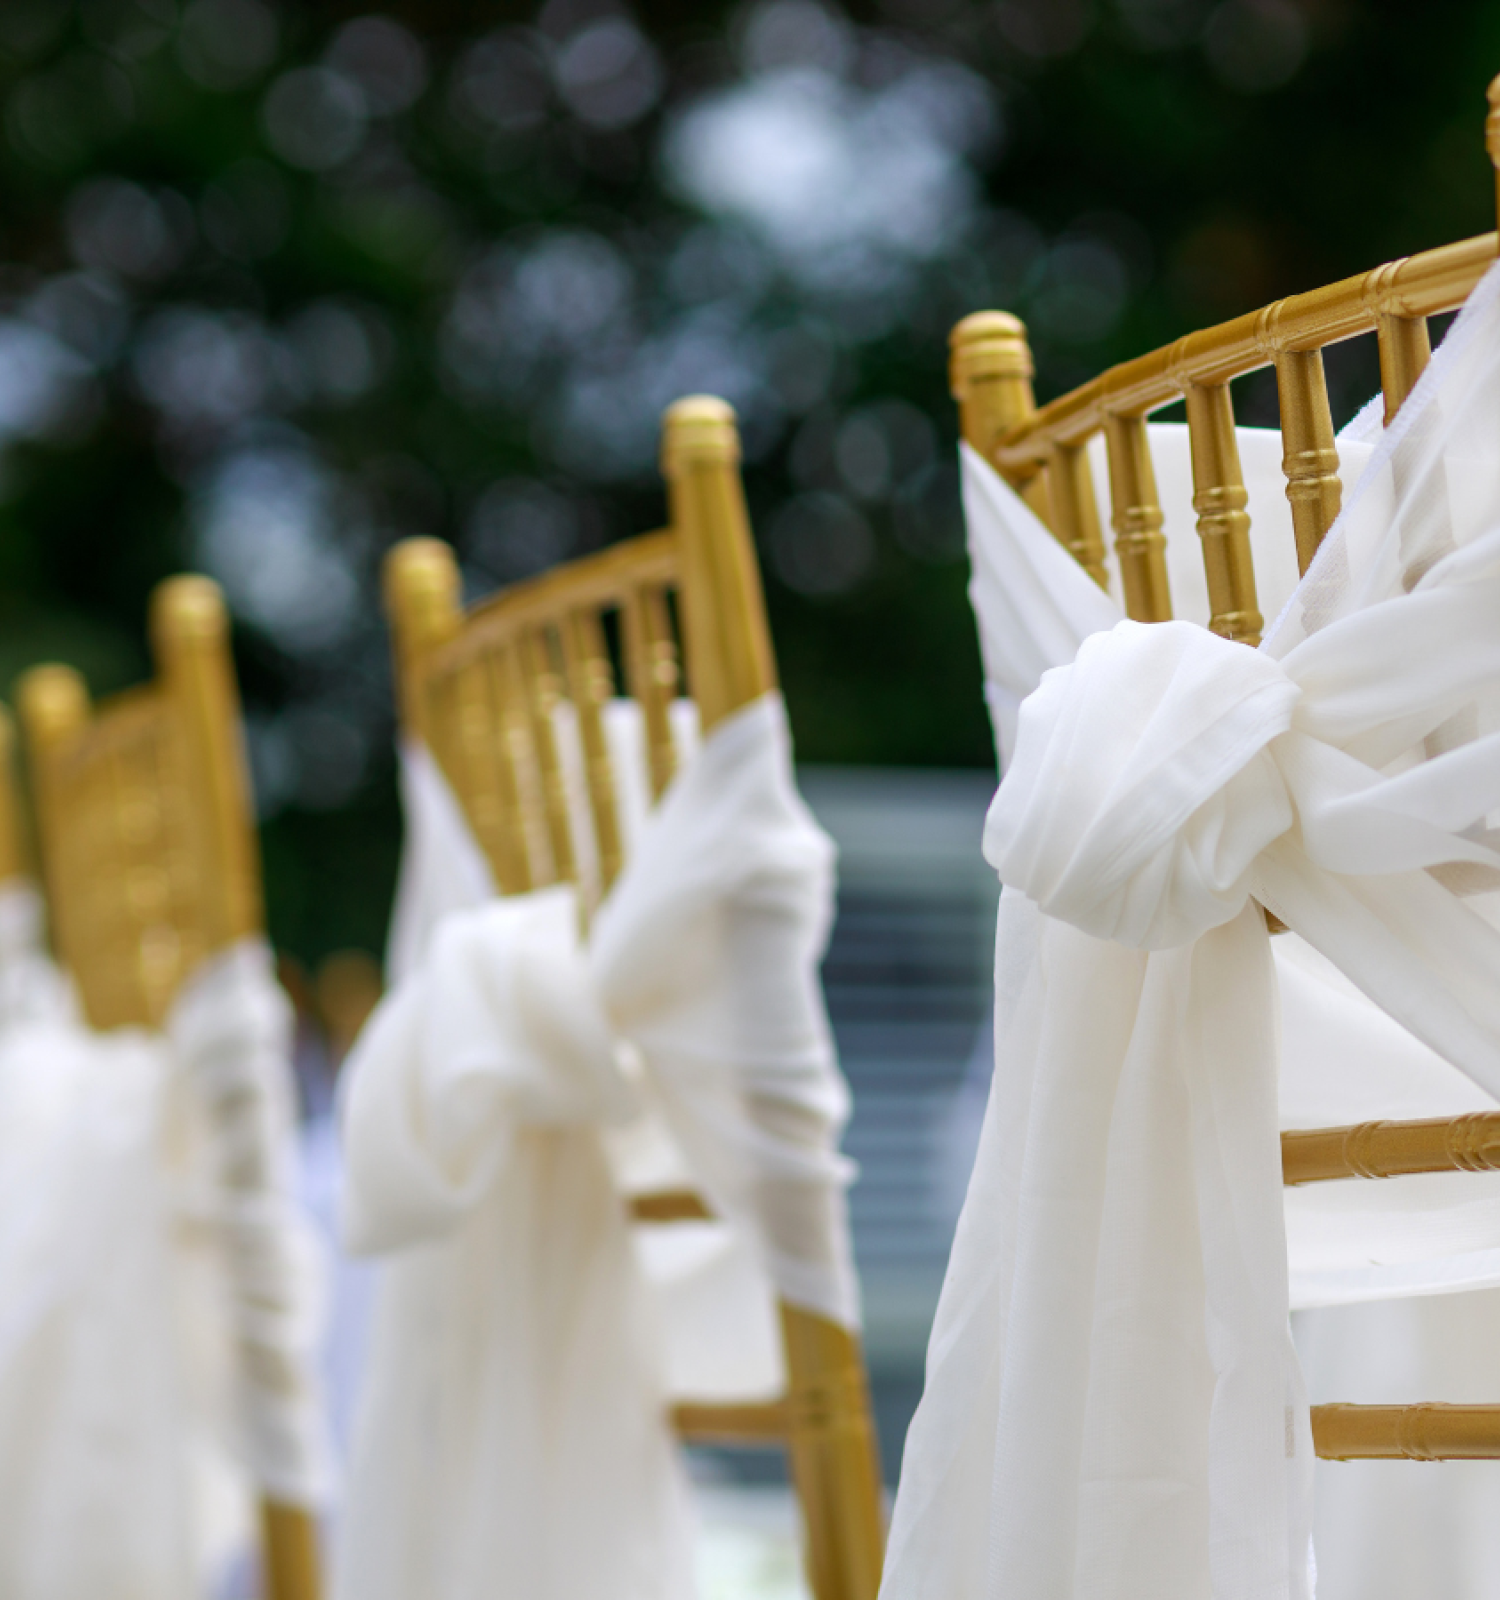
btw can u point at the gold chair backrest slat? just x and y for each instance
(143, 813)
(1041, 452)
(1136, 517)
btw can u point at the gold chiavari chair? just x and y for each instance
(480, 688)
(1041, 453)
(151, 864)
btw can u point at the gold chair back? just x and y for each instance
(1041, 453)
(150, 861)
(480, 687)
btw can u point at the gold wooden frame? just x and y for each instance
(151, 864)
(1040, 452)
(479, 687)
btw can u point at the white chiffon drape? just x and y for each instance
(158, 1291)
(518, 1080)
(1112, 1406)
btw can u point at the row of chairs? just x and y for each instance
(150, 863)
(148, 850)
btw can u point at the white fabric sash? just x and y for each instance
(158, 1305)
(1343, 1059)
(513, 1437)
(1112, 1406)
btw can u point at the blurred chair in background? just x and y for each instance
(342, 993)
(687, 1028)
(1038, 596)
(347, 989)
(152, 877)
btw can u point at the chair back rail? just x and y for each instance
(1039, 451)
(150, 862)
(486, 688)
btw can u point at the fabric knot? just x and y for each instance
(503, 1016)
(1142, 790)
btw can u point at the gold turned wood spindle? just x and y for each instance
(725, 638)
(1075, 511)
(543, 691)
(652, 677)
(487, 788)
(514, 693)
(1136, 516)
(1405, 349)
(591, 686)
(153, 950)
(505, 697)
(1310, 458)
(1220, 499)
(53, 705)
(989, 374)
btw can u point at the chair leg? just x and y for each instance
(289, 1550)
(834, 1457)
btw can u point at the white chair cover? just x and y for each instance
(1112, 1405)
(513, 1439)
(158, 1307)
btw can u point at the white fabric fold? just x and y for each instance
(229, 1034)
(514, 1428)
(159, 1311)
(1112, 1406)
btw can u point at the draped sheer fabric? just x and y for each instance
(159, 1311)
(1343, 1059)
(1112, 1406)
(519, 1077)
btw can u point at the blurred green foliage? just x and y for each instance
(279, 285)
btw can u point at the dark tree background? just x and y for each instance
(283, 284)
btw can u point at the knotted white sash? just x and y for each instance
(1112, 1408)
(157, 1305)
(513, 1437)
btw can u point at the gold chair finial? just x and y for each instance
(984, 346)
(422, 588)
(53, 702)
(989, 374)
(421, 571)
(699, 427)
(188, 610)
